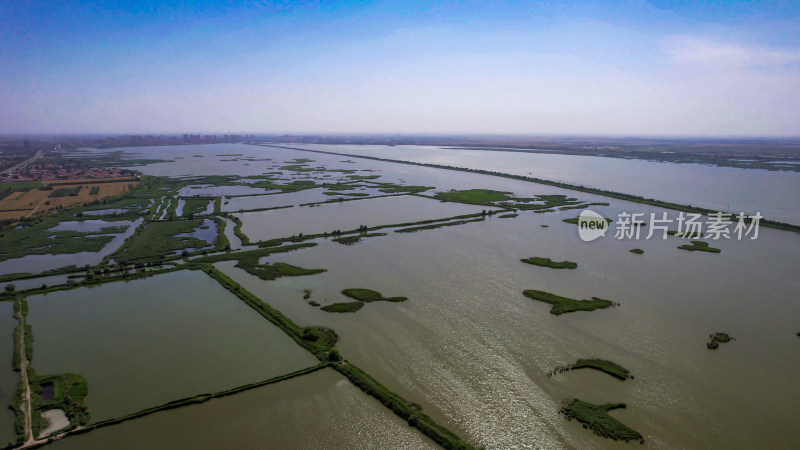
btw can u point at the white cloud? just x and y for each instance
(693, 50)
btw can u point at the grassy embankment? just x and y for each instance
(611, 368)
(249, 254)
(352, 240)
(237, 229)
(347, 194)
(314, 339)
(108, 274)
(127, 273)
(353, 199)
(67, 390)
(637, 251)
(193, 400)
(561, 305)
(319, 341)
(547, 262)
(597, 419)
(437, 225)
(340, 233)
(699, 246)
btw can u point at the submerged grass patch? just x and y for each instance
(699, 246)
(561, 305)
(355, 239)
(437, 225)
(637, 251)
(345, 307)
(547, 262)
(611, 368)
(596, 418)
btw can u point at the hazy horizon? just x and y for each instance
(607, 69)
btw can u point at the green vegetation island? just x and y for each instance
(368, 295)
(716, 339)
(361, 296)
(597, 419)
(547, 262)
(561, 305)
(344, 307)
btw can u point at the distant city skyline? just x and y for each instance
(636, 68)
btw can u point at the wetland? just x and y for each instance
(184, 329)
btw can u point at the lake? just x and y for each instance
(774, 194)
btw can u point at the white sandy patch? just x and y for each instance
(56, 420)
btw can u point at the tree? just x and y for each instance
(334, 355)
(10, 288)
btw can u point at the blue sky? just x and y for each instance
(633, 68)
